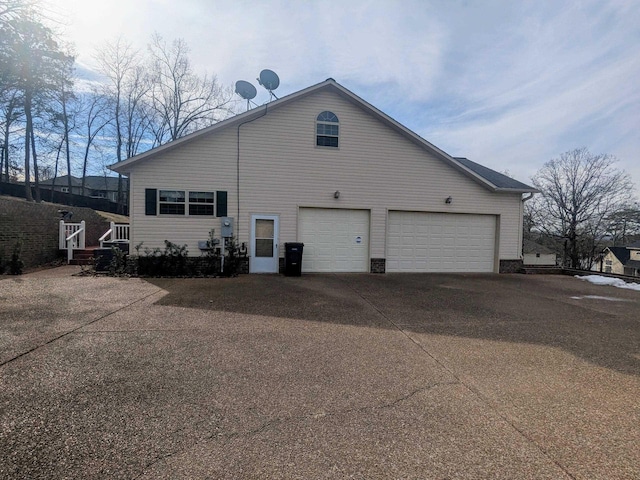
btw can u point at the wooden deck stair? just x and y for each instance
(83, 256)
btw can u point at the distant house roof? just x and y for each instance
(63, 181)
(92, 182)
(621, 253)
(634, 245)
(529, 246)
(488, 178)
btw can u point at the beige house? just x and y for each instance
(326, 168)
(535, 254)
(622, 260)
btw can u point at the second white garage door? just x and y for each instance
(334, 240)
(440, 242)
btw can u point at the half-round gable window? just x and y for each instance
(327, 129)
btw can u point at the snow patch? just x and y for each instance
(614, 282)
(598, 297)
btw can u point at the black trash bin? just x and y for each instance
(293, 259)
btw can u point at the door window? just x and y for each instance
(264, 238)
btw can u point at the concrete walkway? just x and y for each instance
(323, 376)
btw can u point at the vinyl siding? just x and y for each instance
(281, 170)
(193, 167)
(616, 266)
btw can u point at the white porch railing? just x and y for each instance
(118, 232)
(71, 237)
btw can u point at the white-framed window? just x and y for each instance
(201, 203)
(183, 202)
(327, 130)
(171, 202)
(64, 189)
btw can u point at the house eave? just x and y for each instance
(517, 190)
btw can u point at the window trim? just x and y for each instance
(335, 123)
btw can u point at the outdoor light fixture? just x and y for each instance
(336, 194)
(448, 200)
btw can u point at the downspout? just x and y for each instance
(238, 168)
(520, 236)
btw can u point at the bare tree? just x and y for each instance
(94, 113)
(64, 110)
(117, 60)
(579, 191)
(10, 103)
(624, 224)
(136, 110)
(183, 102)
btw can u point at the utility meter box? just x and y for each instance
(226, 224)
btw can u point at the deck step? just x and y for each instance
(83, 256)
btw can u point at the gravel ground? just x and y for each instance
(322, 376)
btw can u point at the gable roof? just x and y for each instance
(488, 178)
(621, 253)
(529, 246)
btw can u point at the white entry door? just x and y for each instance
(264, 244)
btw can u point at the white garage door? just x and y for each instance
(440, 242)
(334, 240)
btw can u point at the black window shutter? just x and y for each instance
(221, 204)
(150, 201)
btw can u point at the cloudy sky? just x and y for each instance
(506, 84)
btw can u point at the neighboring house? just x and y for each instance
(95, 186)
(535, 254)
(622, 260)
(324, 167)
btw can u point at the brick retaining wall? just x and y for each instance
(36, 224)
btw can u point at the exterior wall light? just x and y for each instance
(448, 200)
(336, 194)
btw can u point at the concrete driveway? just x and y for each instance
(323, 376)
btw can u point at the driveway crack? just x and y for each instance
(469, 386)
(73, 330)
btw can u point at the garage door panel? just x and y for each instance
(335, 240)
(440, 242)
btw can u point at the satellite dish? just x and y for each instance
(246, 90)
(269, 80)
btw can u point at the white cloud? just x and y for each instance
(509, 84)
